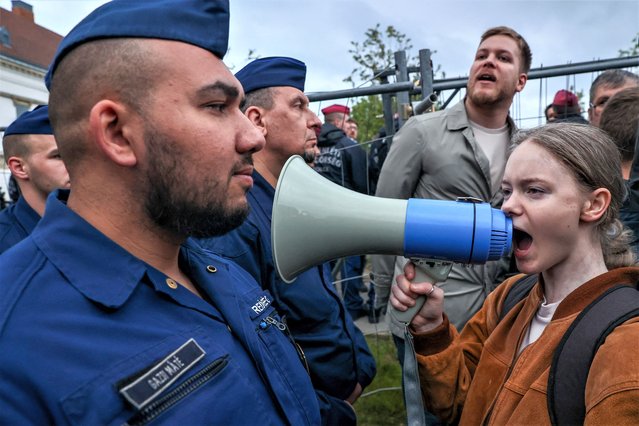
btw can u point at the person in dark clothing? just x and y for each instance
(14, 190)
(566, 108)
(338, 358)
(377, 155)
(341, 159)
(111, 312)
(620, 119)
(31, 153)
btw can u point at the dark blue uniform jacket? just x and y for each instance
(337, 354)
(16, 223)
(91, 335)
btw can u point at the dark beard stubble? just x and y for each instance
(176, 203)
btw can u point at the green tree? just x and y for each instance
(376, 52)
(373, 55)
(633, 50)
(368, 112)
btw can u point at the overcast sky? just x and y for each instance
(319, 33)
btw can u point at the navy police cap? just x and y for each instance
(203, 23)
(35, 122)
(271, 72)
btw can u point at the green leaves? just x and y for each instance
(375, 53)
(633, 50)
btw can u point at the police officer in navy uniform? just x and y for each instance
(31, 153)
(339, 360)
(110, 314)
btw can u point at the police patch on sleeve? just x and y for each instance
(162, 374)
(260, 305)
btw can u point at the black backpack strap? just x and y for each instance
(517, 293)
(574, 354)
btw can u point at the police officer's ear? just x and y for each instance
(18, 167)
(115, 128)
(256, 115)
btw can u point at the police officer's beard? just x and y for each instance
(308, 156)
(181, 205)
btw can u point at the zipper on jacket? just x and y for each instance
(283, 326)
(192, 384)
(280, 325)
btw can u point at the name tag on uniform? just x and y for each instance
(161, 375)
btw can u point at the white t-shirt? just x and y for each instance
(539, 322)
(494, 143)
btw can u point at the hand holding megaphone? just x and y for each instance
(315, 220)
(415, 293)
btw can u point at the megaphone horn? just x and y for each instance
(315, 220)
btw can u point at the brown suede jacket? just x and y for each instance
(477, 377)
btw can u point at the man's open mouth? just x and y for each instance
(486, 77)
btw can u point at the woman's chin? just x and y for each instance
(526, 267)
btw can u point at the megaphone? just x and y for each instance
(315, 220)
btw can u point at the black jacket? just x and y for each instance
(341, 159)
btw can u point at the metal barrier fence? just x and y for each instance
(426, 86)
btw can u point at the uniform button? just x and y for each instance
(212, 269)
(171, 283)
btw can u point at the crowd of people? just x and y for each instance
(140, 281)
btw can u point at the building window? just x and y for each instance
(5, 39)
(21, 107)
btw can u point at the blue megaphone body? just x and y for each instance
(463, 231)
(439, 233)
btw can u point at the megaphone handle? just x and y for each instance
(425, 270)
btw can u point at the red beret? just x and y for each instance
(565, 98)
(336, 108)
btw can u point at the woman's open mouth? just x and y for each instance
(521, 240)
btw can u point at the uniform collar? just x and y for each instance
(25, 215)
(262, 194)
(93, 264)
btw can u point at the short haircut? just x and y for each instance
(620, 118)
(262, 98)
(524, 48)
(121, 69)
(612, 78)
(16, 146)
(336, 118)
